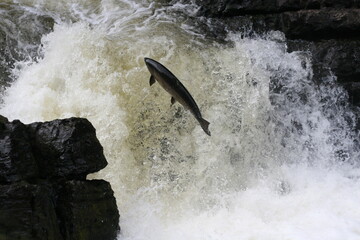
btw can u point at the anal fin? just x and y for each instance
(173, 100)
(152, 80)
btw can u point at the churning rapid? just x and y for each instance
(283, 158)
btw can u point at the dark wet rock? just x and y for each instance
(227, 8)
(6, 63)
(328, 29)
(87, 210)
(20, 37)
(67, 148)
(311, 19)
(3, 119)
(353, 89)
(320, 24)
(17, 161)
(341, 56)
(41, 196)
(27, 212)
(313, 25)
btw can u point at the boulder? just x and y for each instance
(17, 161)
(66, 148)
(43, 191)
(87, 210)
(27, 211)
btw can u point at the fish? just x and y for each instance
(176, 89)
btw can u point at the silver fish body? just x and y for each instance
(176, 89)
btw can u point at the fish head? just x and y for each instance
(151, 65)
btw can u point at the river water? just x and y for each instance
(283, 158)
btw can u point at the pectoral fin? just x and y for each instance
(172, 100)
(152, 80)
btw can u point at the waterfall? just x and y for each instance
(282, 161)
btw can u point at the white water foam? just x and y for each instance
(281, 161)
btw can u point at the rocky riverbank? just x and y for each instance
(44, 193)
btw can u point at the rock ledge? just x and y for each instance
(44, 193)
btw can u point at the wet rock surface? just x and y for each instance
(27, 211)
(79, 198)
(241, 7)
(341, 56)
(328, 29)
(20, 37)
(44, 193)
(66, 148)
(17, 161)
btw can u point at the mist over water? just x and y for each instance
(282, 161)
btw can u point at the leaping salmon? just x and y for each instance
(176, 89)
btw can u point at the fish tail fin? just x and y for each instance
(205, 126)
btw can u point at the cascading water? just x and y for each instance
(282, 161)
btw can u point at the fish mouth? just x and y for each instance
(149, 63)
